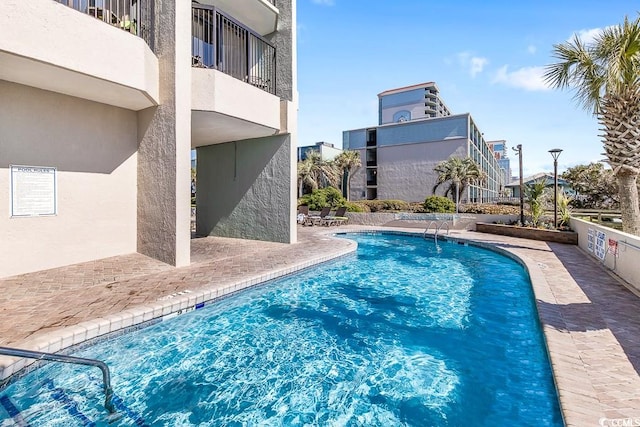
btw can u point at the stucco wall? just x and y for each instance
(624, 261)
(244, 189)
(93, 146)
(405, 172)
(164, 164)
(284, 39)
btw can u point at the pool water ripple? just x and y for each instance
(402, 334)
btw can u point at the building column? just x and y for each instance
(164, 135)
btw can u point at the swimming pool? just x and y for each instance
(403, 333)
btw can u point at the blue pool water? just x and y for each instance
(401, 334)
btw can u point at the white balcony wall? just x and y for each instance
(227, 109)
(50, 46)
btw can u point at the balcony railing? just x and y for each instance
(222, 43)
(133, 16)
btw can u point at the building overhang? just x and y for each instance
(259, 15)
(75, 54)
(225, 109)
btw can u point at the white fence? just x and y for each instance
(618, 251)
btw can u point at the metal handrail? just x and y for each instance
(132, 16)
(38, 355)
(221, 42)
(442, 225)
(424, 235)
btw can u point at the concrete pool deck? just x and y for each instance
(589, 318)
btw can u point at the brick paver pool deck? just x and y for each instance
(590, 320)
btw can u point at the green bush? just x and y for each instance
(385, 205)
(354, 207)
(489, 209)
(439, 204)
(323, 197)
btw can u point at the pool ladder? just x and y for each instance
(106, 376)
(437, 229)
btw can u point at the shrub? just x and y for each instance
(490, 209)
(439, 204)
(385, 205)
(322, 197)
(355, 207)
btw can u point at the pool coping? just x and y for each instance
(66, 338)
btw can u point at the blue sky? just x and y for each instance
(485, 56)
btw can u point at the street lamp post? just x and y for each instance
(518, 150)
(555, 153)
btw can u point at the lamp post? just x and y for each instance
(518, 150)
(555, 153)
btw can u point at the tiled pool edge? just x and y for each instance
(67, 337)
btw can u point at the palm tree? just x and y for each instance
(605, 75)
(348, 162)
(313, 172)
(459, 173)
(306, 177)
(535, 194)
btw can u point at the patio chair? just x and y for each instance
(317, 219)
(336, 219)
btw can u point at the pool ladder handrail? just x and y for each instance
(442, 225)
(52, 357)
(437, 229)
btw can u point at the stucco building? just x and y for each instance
(416, 131)
(101, 102)
(326, 150)
(501, 152)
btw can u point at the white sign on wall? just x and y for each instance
(601, 246)
(33, 191)
(590, 239)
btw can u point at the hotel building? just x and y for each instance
(415, 132)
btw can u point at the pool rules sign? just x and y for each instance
(33, 191)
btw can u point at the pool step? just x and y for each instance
(71, 407)
(13, 412)
(69, 404)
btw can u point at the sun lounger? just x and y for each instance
(317, 219)
(336, 219)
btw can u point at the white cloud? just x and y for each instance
(587, 36)
(324, 2)
(528, 78)
(531, 49)
(475, 64)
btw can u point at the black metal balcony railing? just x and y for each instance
(133, 16)
(222, 43)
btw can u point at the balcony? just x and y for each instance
(222, 43)
(259, 15)
(78, 55)
(233, 81)
(132, 16)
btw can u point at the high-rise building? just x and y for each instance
(411, 103)
(501, 152)
(417, 131)
(101, 103)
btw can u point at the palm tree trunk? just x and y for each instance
(629, 205)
